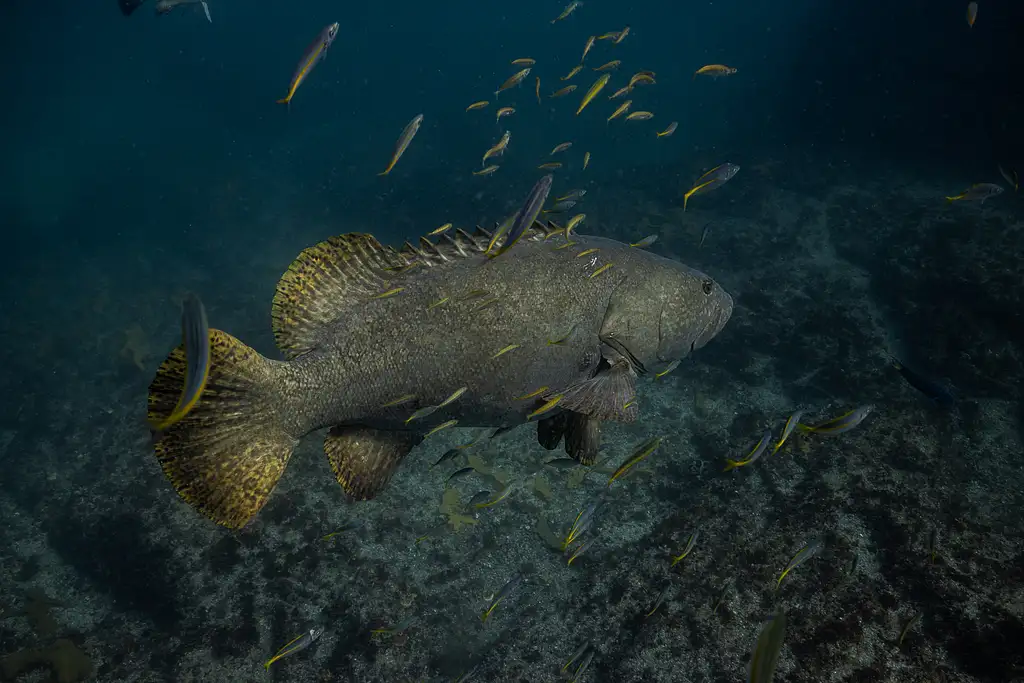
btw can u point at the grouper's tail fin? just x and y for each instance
(225, 455)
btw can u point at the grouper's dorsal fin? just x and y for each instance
(323, 282)
(464, 244)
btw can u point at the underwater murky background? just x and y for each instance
(144, 157)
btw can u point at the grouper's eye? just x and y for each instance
(708, 286)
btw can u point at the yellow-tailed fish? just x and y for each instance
(504, 111)
(587, 252)
(498, 149)
(537, 90)
(838, 425)
(668, 131)
(791, 424)
(579, 550)
(601, 270)
(572, 195)
(574, 223)
(558, 341)
(455, 395)
(640, 116)
(657, 603)
(586, 49)
(487, 170)
(645, 242)
(711, 180)
(510, 347)
(759, 449)
(802, 555)
(669, 368)
(550, 165)
(399, 401)
(978, 192)
(513, 80)
(972, 13)
(1012, 180)
(561, 148)
(563, 91)
(909, 625)
(592, 93)
(195, 348)
(569, 9)
(314, 55)
(610, 66)
(690, 543)
(389, 293)
(300, 642)
(575, 70)
(527, 214)
(524, 61)
(623, 108)
(761, 668)
(549, 405)
(641, 78)
(532, 394)
(443, 425)
(620, 92)
(505, 591)
(421, 413)
(586, 160)
(408, 134)
(496, 498)
(579, 653)
(611, 35)
(584, 520)
(477, 105)
(438, 231)
(385, 630)
(714, 70)
(641, 452)
(622, 36)
(445, 299)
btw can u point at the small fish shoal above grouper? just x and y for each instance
(384, 345)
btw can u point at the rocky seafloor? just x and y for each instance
(106, 575)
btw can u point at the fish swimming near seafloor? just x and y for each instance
(351, 352)
(167, 6)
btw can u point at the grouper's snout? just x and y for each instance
(720, 310)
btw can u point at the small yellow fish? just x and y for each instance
(537, 90)
(561, 148)
(601, 270)
(445, 425)
(592, 93)
(524, 61)
(399, 401)
(454, 397)
(569, 9)
(510, 347)
(586, 49)
(586, 160)
(498, 149)
(645, 242)
(610, 66)
(623, 108)
(477, 105)
(408, 133)
(532, 394)
(641, 77)
(573, 223)
(551, 164)
(620, 92)
(714, 70)
(622, 36)
(486, 171)
(389, 293)
(564, 91)
(513, 80)
(505, 111)
(641, 452)
(972, 13)
(550, 405)
(640, 116)
(575, 70)
(588, 252)
(438, 231)
(668, 131)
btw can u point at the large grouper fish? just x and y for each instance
(384, 345)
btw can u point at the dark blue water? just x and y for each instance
(144, 157)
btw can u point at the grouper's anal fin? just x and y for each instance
(364, 459)
(608, 395)
(323, 282)
(551, 429)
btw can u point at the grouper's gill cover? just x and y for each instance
(374, 336)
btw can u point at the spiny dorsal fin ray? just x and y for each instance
(466, 245)
(323, 282)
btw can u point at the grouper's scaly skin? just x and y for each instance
(383, 348)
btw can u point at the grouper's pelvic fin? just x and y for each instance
(225, 455)
(582, 435)
(364, 459)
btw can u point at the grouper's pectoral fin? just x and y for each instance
(608, 395)
(551, 429)
(364, 459)
(582, 438)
